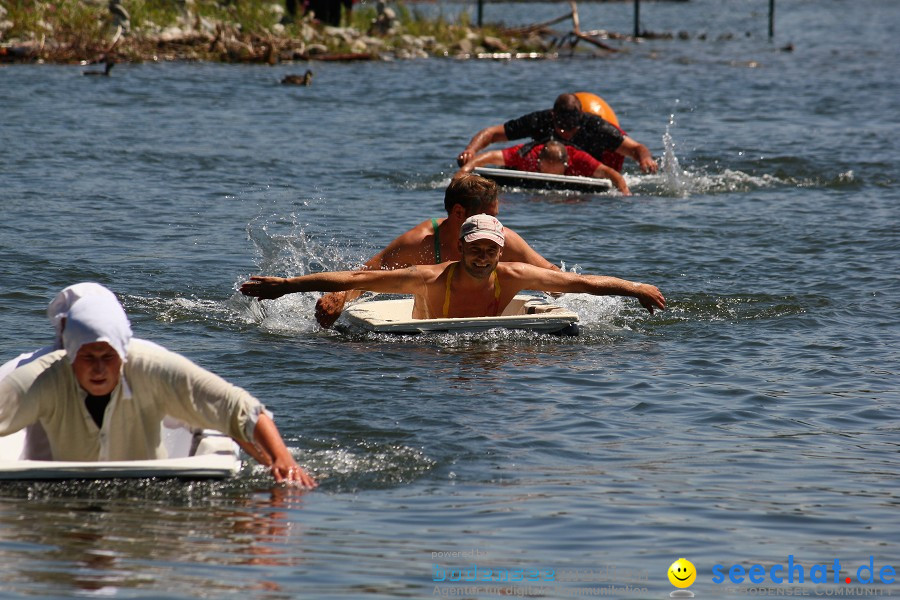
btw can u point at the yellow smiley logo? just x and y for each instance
(682, 573)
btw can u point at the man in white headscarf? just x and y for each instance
(36, 445)
(105, 395)
(56, 312)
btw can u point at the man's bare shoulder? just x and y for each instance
(427, 274)
(514, 269)
(516, 249)
(432, 270)
(412, 247)
(512, 237)
(414, 236)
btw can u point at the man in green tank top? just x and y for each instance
(436, 240)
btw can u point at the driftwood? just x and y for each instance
(579, 35)
(570, 38)
(536, 28)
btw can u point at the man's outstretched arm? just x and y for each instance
(401, 281)
(491, 157)
(482, 139)
(533, 278)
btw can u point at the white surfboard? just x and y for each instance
(523, 312)
(527, 179)
(205, 454)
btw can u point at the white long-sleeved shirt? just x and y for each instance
(155, 383)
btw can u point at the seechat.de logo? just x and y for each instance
(794, 572)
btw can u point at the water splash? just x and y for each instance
(429, 182)
(285, 249)
(294, 252)
(368, 465)
(845, 177)
(700, 307)
(181, 309)
(674, 180)
(730, 180)
(674, 177)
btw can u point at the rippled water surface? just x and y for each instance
(755, 419)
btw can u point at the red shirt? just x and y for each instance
(580, 162)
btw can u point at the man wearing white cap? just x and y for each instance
(478, 285)
(105, 395)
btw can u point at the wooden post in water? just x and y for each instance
(637, 18)
(771, 18)
(480, 11)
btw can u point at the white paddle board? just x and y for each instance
(205, 454)
(527, 179)
(523, 312)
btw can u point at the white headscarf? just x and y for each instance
(64, 300)
(96, 319)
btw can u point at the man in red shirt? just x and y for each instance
(552, 157)
(567, 122)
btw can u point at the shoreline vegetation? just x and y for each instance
(241, 31)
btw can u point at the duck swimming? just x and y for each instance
(105, 72)
(305, 79)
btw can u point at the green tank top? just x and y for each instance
(437, 242)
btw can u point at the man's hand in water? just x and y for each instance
(650, 297)
(265, 288)
(329, 308)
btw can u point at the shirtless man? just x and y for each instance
(436, 240)
(565, 122)
(477, 285)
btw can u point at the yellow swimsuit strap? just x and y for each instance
(450, 280)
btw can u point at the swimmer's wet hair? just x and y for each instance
(473, 192)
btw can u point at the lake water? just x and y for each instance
(755, 420)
